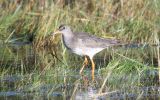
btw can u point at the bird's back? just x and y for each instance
(94, 41)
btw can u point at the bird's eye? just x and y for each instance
(62, 27)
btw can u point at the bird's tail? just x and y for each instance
(136, 45)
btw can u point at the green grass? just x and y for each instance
(135, 21)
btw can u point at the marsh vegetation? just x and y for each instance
(34, 65)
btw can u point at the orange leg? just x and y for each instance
(93, 68)
(84, 64)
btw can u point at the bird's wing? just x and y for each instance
(93, 41)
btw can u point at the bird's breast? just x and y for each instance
(87, 51)
(68, 42)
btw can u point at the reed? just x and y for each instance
(134, 21)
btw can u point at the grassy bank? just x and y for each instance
(134, 21)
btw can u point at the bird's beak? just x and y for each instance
(56, 32)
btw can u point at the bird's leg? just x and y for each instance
(84, 64)
(93, 68)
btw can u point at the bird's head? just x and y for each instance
(63, 29)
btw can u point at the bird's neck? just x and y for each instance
(67, 40)
(68, 35)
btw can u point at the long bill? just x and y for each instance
(56, 32)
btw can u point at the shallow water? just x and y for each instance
(82, 92)
(20, 79)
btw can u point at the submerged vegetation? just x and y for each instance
(32, 61)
